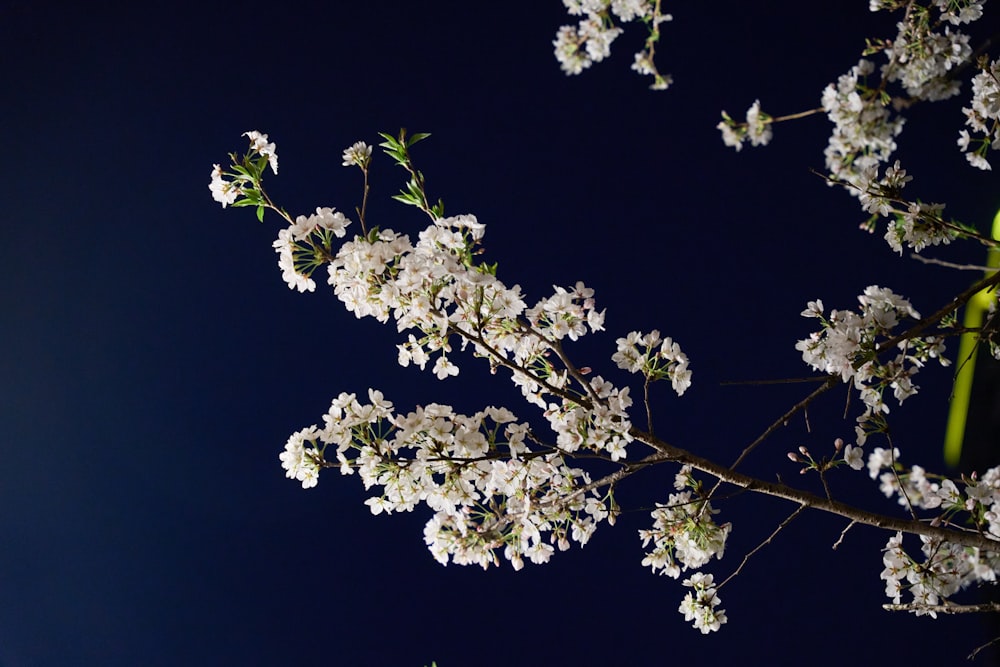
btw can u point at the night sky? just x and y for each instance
(154, 362)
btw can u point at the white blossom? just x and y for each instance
(701, 605)
(260, 144)
(223, 191)
(854, 457)
(358, 154)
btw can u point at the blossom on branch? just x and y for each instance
(850, 343)
(701, 604)
(983, 117)
(578, 47)
(260, 144)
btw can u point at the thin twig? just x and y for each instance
(760, 546)
(364, 203)
(899, 483)
(985, 607)
(951, 265)
(795, 116)
(972, 656)
(730, 383)
(828, 383)
(826, 487)
(842, 533)
(649, 409)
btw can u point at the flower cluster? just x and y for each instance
(955, 12)
(684, 535)
(850, 342)
(864, 130)
(700, 605)
(301, 458)
(917, 226)
(756, 129)
(659, 358)
(983, 117)
(568, 313)
(946, 568)
(490, 492)
(921, 58)
(578, 47)
(603, 427)
(241, 186)
(850, 455)
(916, 488)
(304, 246)
(683, 530)
(436, 288)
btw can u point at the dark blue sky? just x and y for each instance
(154, 361)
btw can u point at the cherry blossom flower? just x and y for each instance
(260, 144)
(701, 604)
(357, 154)
(223, 191)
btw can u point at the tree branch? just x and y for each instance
(807, 499)
(991, 607)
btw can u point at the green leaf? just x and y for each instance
(419, 136)
(250, 198)
(260, 213)
(392, 146)
(406, 199)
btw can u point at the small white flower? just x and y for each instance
(731, 136)
(813, 309)
(223, 191)
(758, 127)
(854, 457)
(259, 143)
(359, 154)
(978, 161)
(443, 368)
